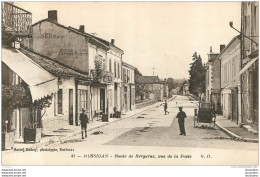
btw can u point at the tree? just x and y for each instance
(19, 96)
(98, 71)
(171, 84)
(197, 76)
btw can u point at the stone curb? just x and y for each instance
(235, 136)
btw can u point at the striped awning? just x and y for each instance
(41, 82)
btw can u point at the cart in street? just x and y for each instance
(205, 114)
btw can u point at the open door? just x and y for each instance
(71, 106)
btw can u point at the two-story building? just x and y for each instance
(87, 54)
(43, 76)
(230, 80)
(128, 85)
(114, 56)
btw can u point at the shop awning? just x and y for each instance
(41, 82)
(248, 65)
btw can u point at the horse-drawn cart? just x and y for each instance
(205, 114)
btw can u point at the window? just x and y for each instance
(128, 76)
(110, 65)
(55, 103)
(115, 69)
(104, 64)
(118, 70)
(60, 101)
(82, 99)
(124, 75)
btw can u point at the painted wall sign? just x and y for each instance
(49, 36)
(73, 52)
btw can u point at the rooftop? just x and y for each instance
(148, 80)
(54, 67)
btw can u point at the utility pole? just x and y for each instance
(153, 71)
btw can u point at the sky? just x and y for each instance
(160, 35)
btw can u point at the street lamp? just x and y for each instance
(231, 25)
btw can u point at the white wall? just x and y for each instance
(52, 121)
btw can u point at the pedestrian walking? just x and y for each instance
(181, 116)
(165, 107)
(83, 122)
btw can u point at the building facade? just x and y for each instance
(87, 54)
(230, 80)
(213, 78)
(115, 56)
(128, 85)
(249, 63)
(150, 86)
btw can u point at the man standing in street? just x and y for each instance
(181, 116)
(165, 107)
(83, 122)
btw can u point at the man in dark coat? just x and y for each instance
(83, 122)
(165, 107)
(181, 116)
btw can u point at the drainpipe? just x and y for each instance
(241, 56)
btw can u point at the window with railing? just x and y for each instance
(16, 18)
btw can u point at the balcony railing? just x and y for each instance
(16, 19)
(107, 77)
(103, 76)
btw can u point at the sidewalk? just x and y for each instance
(244, 133)
(60, 135)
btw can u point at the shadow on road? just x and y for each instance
(169, 137)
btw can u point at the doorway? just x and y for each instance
(102, 100)
(234, 105)
(70, 106)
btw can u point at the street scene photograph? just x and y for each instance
(129, 83)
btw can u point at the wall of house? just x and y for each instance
(209, 81)
(61, 45)
(114, 66)
(250, 27)
(52, 120)
(215, 81)
(128, 84)
(230, 67)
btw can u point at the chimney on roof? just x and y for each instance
(222, 47)
(113, 41)
(52, 15)
(210, 49)
(82, 28)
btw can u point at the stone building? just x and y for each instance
(41, 75)
(128, 85)
(230, 80)
(249, 70)
(213, 77)
(152, 86)
(86, 54)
